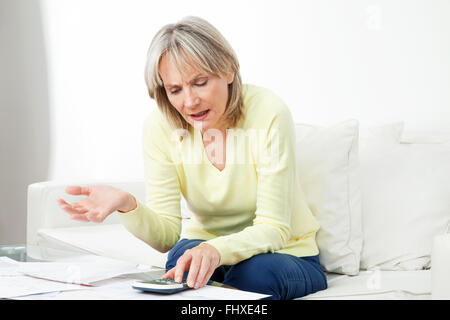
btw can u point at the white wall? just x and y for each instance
(24, 113)
(376, 61)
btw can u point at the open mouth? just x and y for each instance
(200, 115)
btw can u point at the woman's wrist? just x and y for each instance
(130, 204)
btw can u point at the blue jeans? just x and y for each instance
(282, 276)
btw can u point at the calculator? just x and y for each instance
(166, 286)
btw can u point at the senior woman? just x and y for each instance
(228, 148)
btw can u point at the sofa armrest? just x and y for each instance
(43, 211)
(48, 226)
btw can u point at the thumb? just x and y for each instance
(78, 190)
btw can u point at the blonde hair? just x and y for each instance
(195, 42)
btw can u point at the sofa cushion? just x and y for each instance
(327, 163)
(406, 201)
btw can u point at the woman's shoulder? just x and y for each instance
(255, 92)
(154, 117)
(262, 104)
(156, 125)
(157, 120)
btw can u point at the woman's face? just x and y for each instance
(194, 93)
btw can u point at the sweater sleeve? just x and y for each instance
(274, 200)
(158, 221)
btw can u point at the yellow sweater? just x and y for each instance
(254, 205)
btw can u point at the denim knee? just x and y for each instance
(281, 276)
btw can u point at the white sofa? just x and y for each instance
(381, 195)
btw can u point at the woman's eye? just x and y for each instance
(202, 84)
(197, 84)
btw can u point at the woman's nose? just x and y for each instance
(190, 98)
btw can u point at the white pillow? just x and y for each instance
(406, 201)
(327, 164)
(425, 137)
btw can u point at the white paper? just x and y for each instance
(83, 270)
(8, 267)
(120, 289)
(100, 271)
(23, 285)
(14, 283)
(7, 262)
(109, 240)
(220, 293)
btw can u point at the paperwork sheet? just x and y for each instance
(84, 270)
(120, 289)
(109, 279)
(14, 284)
(109, 240)
(8, 267)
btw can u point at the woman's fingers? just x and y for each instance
(200, 266)
(203, 274)
(201, 262)
(71, 208)
(82, 211)
(78, 190)
(95, 216)
(196, 264)
(182, 265)
(81, 217)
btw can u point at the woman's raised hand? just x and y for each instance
(101, 201)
